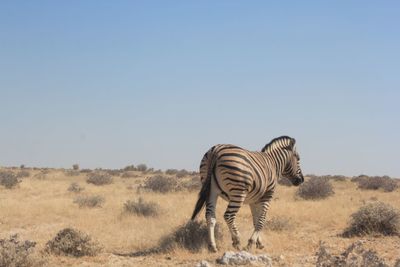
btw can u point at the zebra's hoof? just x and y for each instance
(212, 249)
(236, 245)
(259, 246)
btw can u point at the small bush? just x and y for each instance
(192, 236)
(75, 167)
(71, 242)
(129, 174)
(182, 173)
(278, 224)
(171, 171)
(374, 218)
(161, 184)
(141, 208)
(284, 181)
(85, 171)
(377, 182)
(89, 201)
(16, 253)
(23, 174)
(130, 168)
(72, 173)
(194, 184)
(315, 188)
(8, 179)
(141, 167)
(75, 187)
(40, 176)
(99, 178)
(114, 172)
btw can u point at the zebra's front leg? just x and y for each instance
(230, 218)
(259, 212)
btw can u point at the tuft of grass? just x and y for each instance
(89, 201)
(17, 253)
(99, 178)
(8, 179)
(72, 242)
(315, 188)
(142, 208)
(161, 184)
(75, 187)
(278, 223)
(374, 218)
(192, 236)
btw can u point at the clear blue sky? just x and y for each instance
(112, 83)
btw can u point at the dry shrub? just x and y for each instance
(377, 182)
(75, 167)
(141, 167)
(374, 218)
(99, 178)
(354, 255)
(40, 176)
(171, 171)
(75, 187)
(284, 181)
(193, 184)
(72, 172)
(129, 174)
(182, 173)
(85, 171)
(141, 208)
(17, 253)
(161, 184)
(8, 179)
(114, 172)
(72, 242)
(89, 201)
(192, 236)
(315, 188)
(23, 174)
(278, 223)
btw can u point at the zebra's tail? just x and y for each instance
(205, 189)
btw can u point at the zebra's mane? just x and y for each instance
(279, 142)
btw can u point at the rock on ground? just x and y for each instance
(244, 258)
(203, 263)
(354, 256)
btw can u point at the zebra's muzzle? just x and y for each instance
(297, 181)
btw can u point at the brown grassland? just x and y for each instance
(38, 208)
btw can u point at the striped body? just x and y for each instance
(245, 177)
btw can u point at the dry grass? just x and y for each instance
(38, 209)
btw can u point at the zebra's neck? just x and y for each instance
(278, 159)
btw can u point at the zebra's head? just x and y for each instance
(284, 151)
(292, 170)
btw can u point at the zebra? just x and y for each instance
(245, 177)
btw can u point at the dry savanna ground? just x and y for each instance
(40, 206)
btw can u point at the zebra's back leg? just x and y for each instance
(230, 218)
(255, 208)
(259, 211)
(211, 205)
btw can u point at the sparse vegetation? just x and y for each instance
(8, 179)
(141, 167)
(89, 201)
(161, 184)
(17, 253)
(99, 178)
(192, 236)
(374, 218)
(182, 173)
(72, 172)
(75, 167)
(75, 187)
(141, 208)
(278, 223)
(23, 174)
(315, 188)
(72, 242)
(193, 184)
(377, 182)
(129, 174)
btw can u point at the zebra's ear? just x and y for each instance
(292, 142)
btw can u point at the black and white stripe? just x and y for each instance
(245, 177)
